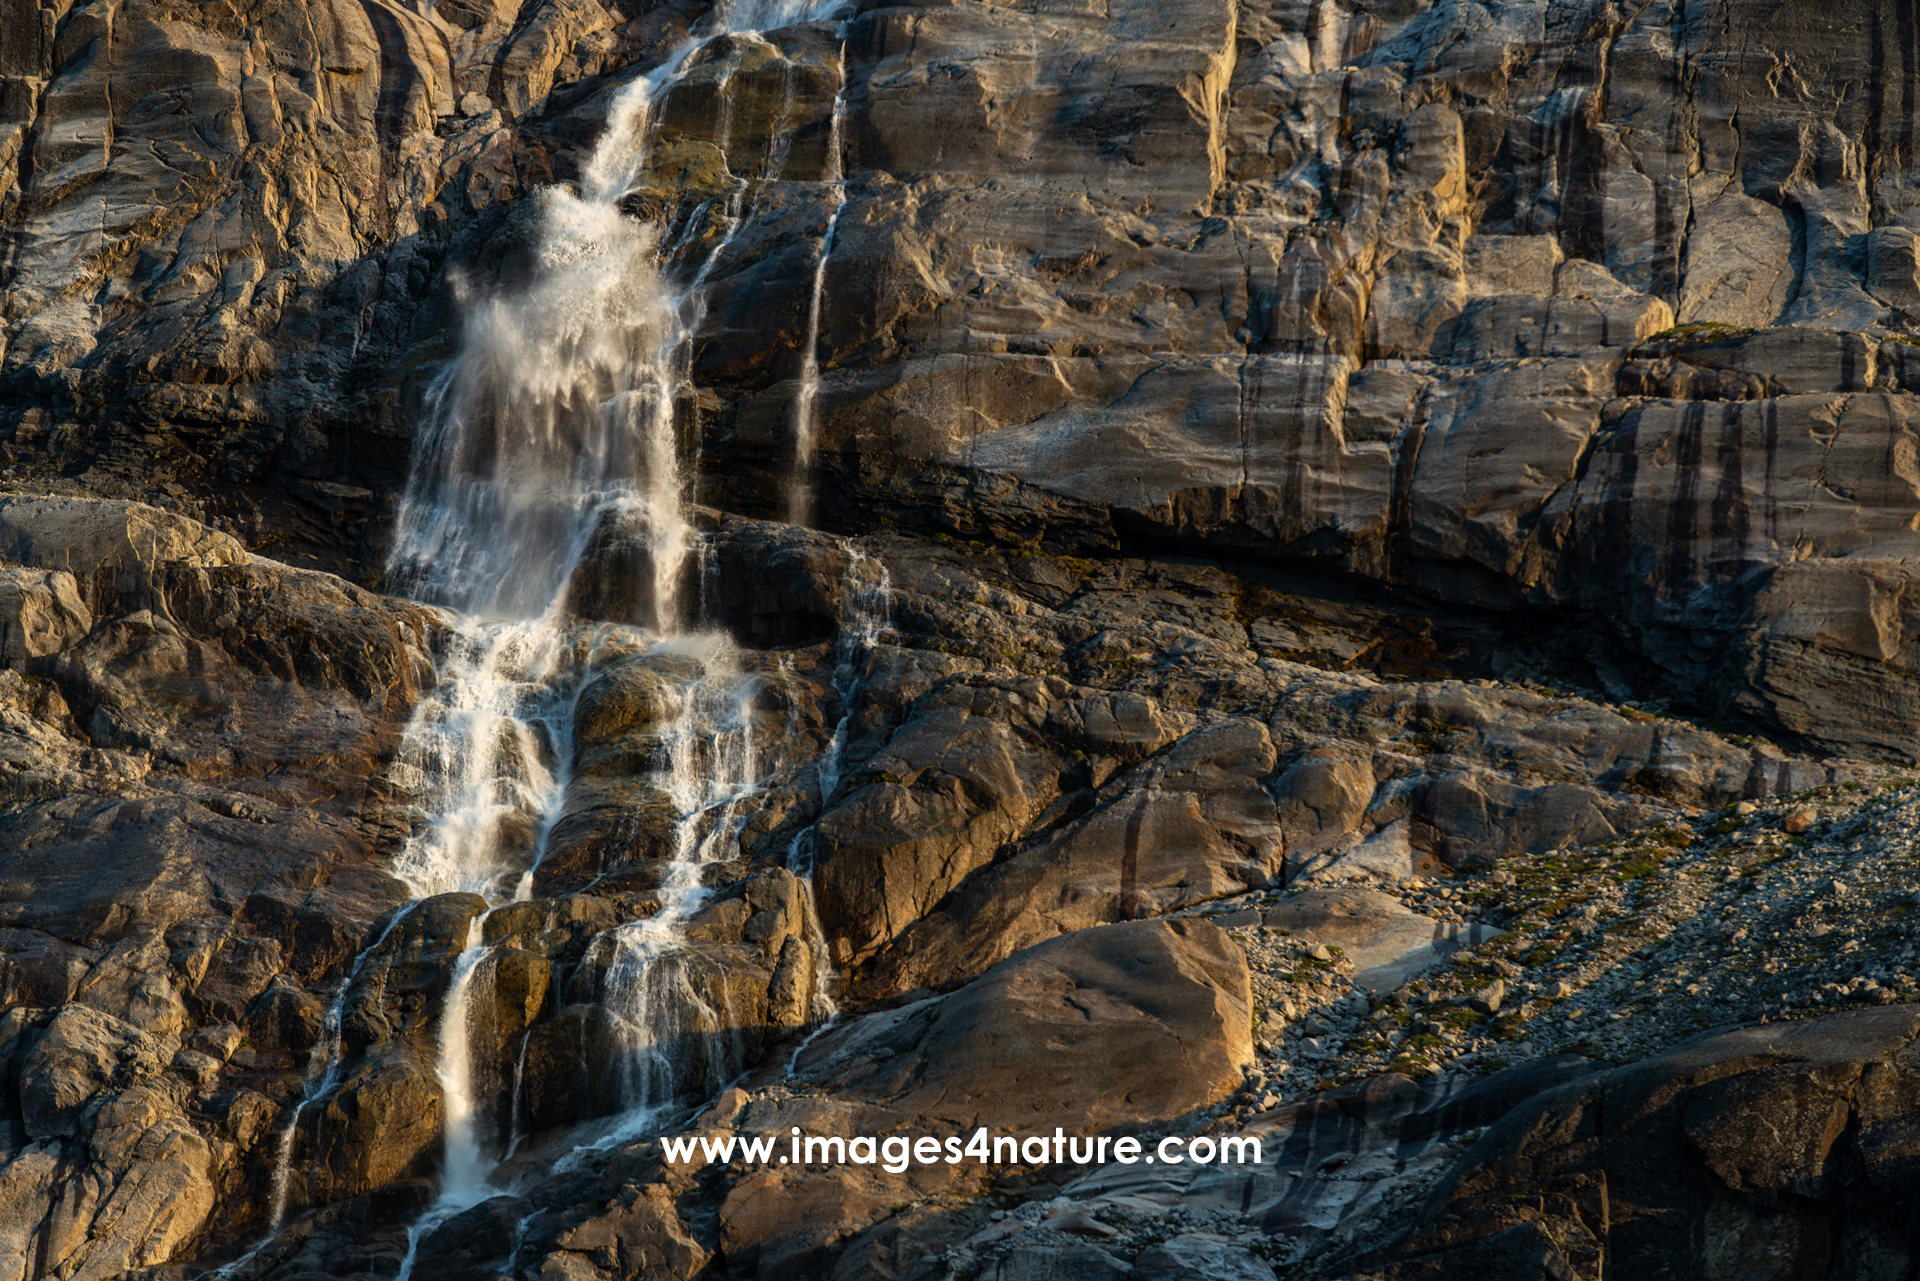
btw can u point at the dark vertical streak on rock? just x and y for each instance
(1614, 541)
(1583, 231)
(397, 77)
(1295, 446)
(1876, 97)
(1129, 900)
(1797, 252)
(1406, 462)
(1770, 443)
(1683, 138)
(1907, 31)
(1664, 271)
(1248, 399)
(1731, 515)
(1689, 448)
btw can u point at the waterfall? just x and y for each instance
(552, 433)
(474, 757)
(546, 483)
(547, 489)
(463, 1178)
(800, 493)
(322, 1077)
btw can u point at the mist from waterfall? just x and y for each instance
(554, 426)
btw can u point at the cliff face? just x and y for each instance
(1378, 289)
(1371, 289)
(228, 225)
(1191, 524)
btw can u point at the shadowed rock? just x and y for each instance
(1771, 1148)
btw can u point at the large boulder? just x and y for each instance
(1116, 1027)
(1385, 941)
(1112, 1030)
(1192, 824)
(41, 613)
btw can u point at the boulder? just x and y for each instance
(41, 613)
(1386, 942)
(114, 550)
(1192, 824)
(474, 1245)
(1101, 1029)
(640, 1236)
(381, 1125)
(74, 1063)
(1110, 1030)
(284, 1018)
(137, 1174)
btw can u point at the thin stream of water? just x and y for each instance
(800, 491)
(864, 619)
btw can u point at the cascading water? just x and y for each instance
(800, 492)
(323, 1076)
(553, 429)
(547, 486)
(864, 617)
(548, 469)
(324, 1062)
(668, 1029)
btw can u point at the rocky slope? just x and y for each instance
(1331, 572)
(1301, 846)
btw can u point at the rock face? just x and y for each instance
(1129, 744)
(1393, 291)
(1103, 1031)
(190, 738)
(1332, 517)
(235, 202)
(1768, 1151)
(1126, 1024)
(1038, 761)
(1434, 299)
